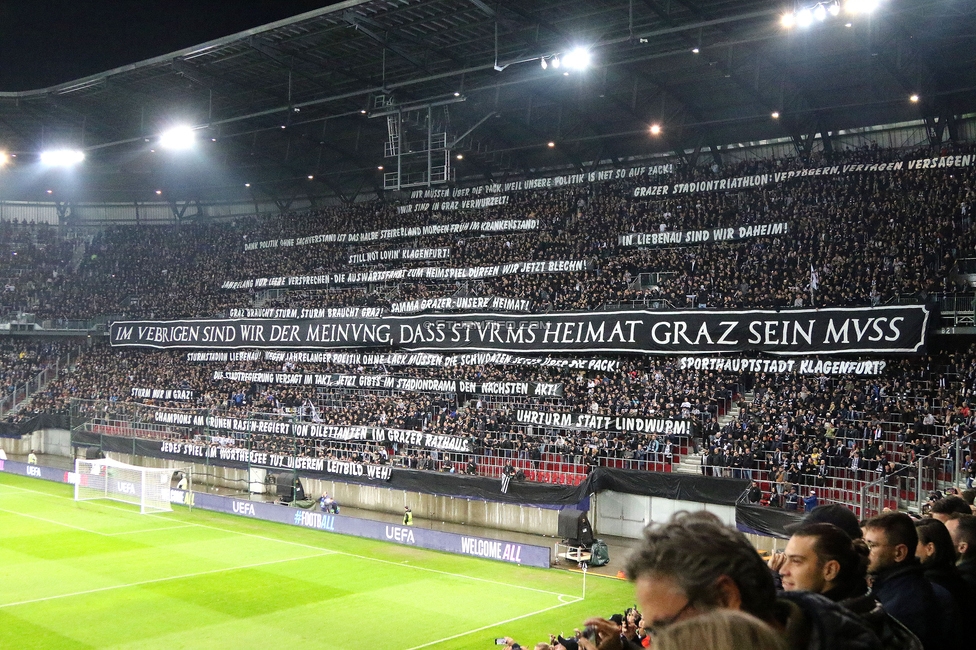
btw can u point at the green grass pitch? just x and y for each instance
(97, 574)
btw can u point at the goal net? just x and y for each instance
(104, 478)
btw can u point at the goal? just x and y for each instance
(104, 478)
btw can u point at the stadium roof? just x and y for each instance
(310, 95)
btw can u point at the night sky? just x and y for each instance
(47, 42)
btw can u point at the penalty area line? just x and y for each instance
(157, 580)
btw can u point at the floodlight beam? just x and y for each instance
(61, 157)
(178, 138)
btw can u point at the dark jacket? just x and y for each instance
(918, 604)
(952, 581)
(816, 623)
(967, 569)
(893, 635)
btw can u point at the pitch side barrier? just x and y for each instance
(436, 540)
(481, 547)
(35, 471)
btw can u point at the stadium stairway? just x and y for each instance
(690, 463)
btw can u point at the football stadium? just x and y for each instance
(452, 324)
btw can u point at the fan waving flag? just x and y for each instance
(814, 279)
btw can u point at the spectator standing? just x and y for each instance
(938, 557)
(962, 529)
(823, 559)
(899, 582)
(810, 501)
(792, 499)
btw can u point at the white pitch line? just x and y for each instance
(491, 625)
(58, 496)
(51, 521)
(94, 532)
(156, 580)
(148, 530)
(165, 518)
(347, 554)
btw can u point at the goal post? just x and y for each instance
(104, 478)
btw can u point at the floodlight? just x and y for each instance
(804, 17)
(577, 59)
(655, 129)
(775, 115)
(159, 191)
(552, 144)
(4, 158)
(61, 157)
(913, 99)
(834, 9)
(788, 20)
(695, 50)
(555, 62)
(544, 64)
(820, 13)
(460, 156)
(178, 138)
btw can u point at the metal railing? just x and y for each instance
(27, 389)
(908, 488)
(552, 462)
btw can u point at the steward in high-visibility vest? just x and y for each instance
(407, 516)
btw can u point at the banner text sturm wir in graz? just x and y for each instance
(795, 331)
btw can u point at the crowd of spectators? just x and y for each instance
(787, 432)
(867, 236)
(802, 432)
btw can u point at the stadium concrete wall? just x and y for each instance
(626, 515)
(56, 442)
(472, 512)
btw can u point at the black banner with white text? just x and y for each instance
(237, 456)
(591, 421)
(789, 332)
(413, 359)
(409, 384)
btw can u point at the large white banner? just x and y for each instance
(758, 180)
(421, 273)
(710, 235)
(399, 254)
(499, 225)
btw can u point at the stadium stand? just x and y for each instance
(870, 237)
